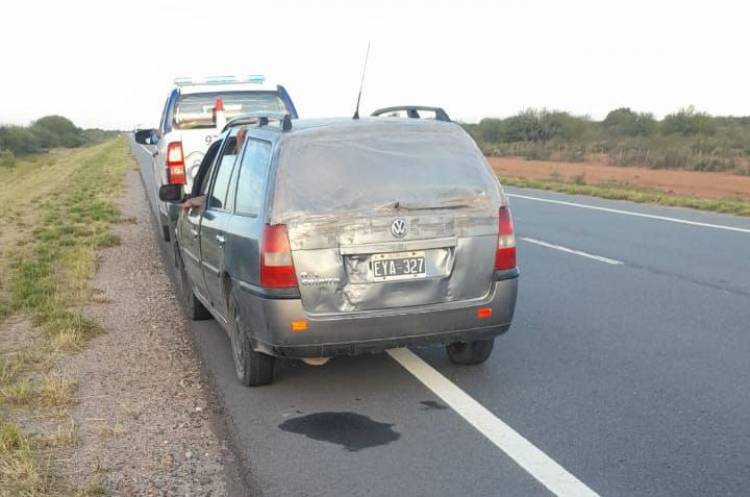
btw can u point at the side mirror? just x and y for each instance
(147, 137)
(170, 193)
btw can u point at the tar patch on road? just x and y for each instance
(352, 431)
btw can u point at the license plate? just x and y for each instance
(398, 266)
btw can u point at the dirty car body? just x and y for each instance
(350, 236)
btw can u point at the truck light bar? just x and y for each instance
(220, 80)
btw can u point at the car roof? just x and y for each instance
(336, 126)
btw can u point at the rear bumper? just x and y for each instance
(373, 331)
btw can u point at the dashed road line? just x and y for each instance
(599, 258)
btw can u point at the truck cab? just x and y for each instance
(192, 118)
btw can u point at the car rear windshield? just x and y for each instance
(395, 166)
(196, 110)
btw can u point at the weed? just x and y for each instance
(57, 390)
(93, 489)
(65, 436)
(19, 475)
(11, 438)
(112, 431)
(19, 393)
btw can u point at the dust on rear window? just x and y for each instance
(196, 110)
(394, 166)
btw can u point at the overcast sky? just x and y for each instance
(110, 64)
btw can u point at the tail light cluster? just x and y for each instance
(175, 164)
(505, 256)
(276, 265)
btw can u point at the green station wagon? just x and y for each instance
(317, 238)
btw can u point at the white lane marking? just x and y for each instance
(635, 214)
(572, 251)
(539, 465)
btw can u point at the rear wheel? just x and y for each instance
(252, 368)
(474, 352)
(194, 308)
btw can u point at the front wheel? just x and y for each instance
(252, 368)
(469, 353)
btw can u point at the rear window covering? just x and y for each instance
(359, 169)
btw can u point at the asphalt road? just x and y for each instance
(628, 364)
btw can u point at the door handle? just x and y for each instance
(194, 232)
(154, 153)
(221, 240)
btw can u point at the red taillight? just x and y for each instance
(175, 164)
(505, 257)
(276, 266)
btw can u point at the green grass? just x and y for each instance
(51, 281)
(63, 211)
(624, 191)
(21, 474)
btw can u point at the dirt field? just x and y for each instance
(700, 184)
(142, 409)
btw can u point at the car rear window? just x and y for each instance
(196, 110)
(421, 167)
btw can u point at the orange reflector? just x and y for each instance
(300, 325)
(484, 312)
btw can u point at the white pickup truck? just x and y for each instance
(189, 124)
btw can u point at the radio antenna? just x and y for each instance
(362, 82)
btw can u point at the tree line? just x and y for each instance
(44, 134)
(686, 139)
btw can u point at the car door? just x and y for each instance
(215, 217)
(189, 223)
(155, 151)
(243, 233)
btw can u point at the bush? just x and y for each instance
(66, 133)
(7, 159)
(46, 133)
(625, 122)
(688, 122)
(18, 140)
(685, 139)
(530, 126)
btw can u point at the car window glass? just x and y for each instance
(221, 176)
(252, 181)
(206, 169)
(196, 110)
(415, 164)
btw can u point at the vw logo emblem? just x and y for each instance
(398, 228)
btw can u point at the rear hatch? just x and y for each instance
(387, 215)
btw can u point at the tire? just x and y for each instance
(252, 368)
(470, 353)
(194, 308)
